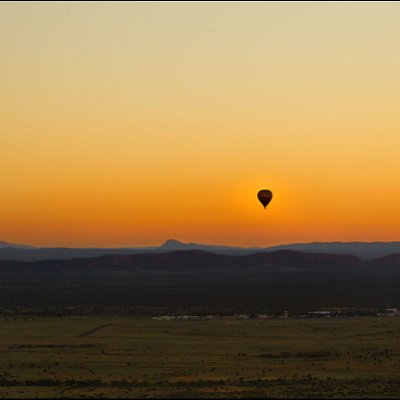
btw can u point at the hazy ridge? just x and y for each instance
(366, 250)
(199, 260)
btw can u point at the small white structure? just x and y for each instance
(392, 312)
(325, 314)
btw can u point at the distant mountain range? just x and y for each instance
(199, 260)
(196, 281)
(365, 250)
(15, 246)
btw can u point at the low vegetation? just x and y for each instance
(125, 357)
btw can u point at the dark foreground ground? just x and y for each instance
(138, 358)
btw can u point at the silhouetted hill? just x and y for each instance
(172, 244)
(368, 250)
(175, 245)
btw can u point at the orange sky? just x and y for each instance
(130, 123)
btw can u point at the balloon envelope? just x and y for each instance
(264, 196)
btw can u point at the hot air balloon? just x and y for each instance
(264, 196)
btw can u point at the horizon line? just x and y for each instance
(11, 244)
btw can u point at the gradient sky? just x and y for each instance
(130, 123)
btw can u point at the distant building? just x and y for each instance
(320, 313)
(392, 312)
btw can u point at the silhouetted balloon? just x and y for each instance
(264, 196)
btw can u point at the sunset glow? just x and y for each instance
(125, 124)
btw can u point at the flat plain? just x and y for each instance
(128, 357)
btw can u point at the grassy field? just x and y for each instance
(109, 357)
